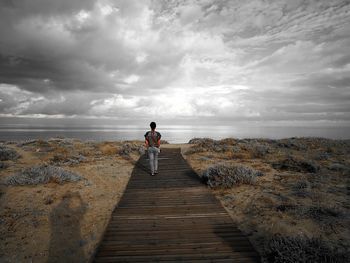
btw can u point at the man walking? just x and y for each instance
(152, 141)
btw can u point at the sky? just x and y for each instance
(191, 62)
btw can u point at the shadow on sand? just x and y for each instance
(66, 243)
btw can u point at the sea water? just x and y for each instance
(172, 134)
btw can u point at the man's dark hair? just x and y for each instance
(153, 125)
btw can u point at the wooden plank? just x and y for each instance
(212, 257)
(171, 217)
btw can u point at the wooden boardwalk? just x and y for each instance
(171, 217)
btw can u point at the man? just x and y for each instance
(152, 142)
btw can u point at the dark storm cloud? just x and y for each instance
(227, 60)
(24, 8)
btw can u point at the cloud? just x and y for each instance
(227, 60)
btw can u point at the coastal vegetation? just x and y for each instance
(289, 196)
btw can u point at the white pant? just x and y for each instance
(153, 158)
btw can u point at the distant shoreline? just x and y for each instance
(176, 134)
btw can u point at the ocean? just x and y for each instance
(172, 134)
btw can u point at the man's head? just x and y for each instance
(153, 125)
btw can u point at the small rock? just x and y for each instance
(48, 200)
(87, 183)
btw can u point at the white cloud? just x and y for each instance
(132, 79)
(225, 59)
(82, 16)
(190, 13)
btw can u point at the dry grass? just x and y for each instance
(108, 149)
(304, 191)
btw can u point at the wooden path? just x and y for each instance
(171, 217)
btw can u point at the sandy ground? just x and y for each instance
(61, 222)
(65, 222)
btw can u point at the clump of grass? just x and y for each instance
(60, 159)
(227, 175)
(292, 163)
(296, 249)
(7, 153)
(301, 188)
(108, 149)
(260, 150)
(42, 174)
(323, 215)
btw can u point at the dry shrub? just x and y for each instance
(42, 174)
(321, 156)
(260, 150)
(207, 144)
(301, 188)
(89, 149)
(27, 142)
(200, 140)
(297, 249)
(227, 175)
(41, 142)
(339, 167)
(285, 206)
(229, 141)
(37, 145)
(292, 163)
(7, 153)
(128, 148)
(327, 217)
(195, 149)
(65, 160)
(292, 143)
